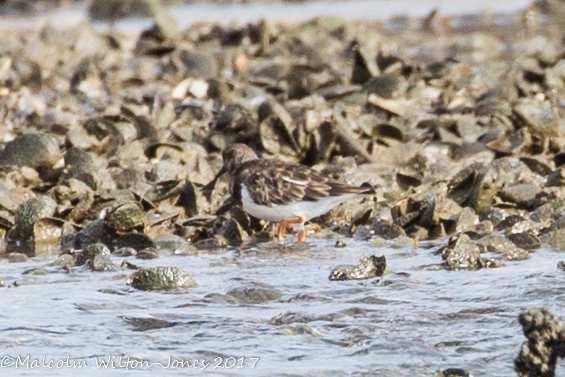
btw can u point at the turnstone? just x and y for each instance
(277, 191)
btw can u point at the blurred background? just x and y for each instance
(189, 12)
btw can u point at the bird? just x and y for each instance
(282, 192)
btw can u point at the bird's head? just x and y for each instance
(235, 155)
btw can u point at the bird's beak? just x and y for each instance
(209, 188)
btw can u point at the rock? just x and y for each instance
(362, 68)
(36, 271)
(80, 165)
(367, 268)
(466, 220)
(161, 278)
(65, 260)
(145, 324)
(148, 253)
(125, 252)
(93, 232)
(103, 262)
(200, 64)
(554, 239)
(509, 222)
(525, 241)
(556, 178)
(37, 150)
(520, 193)
(377, 242)
(210, 244)
(462, 254)
(340, 243)
(46, 236)
(502, 173)
(253, 295)
(539, 117)
(546, 342)
(9, 200)
(362, 233)
(17, 258)
(497, 243)
(387, 231)
(128, 266)
(232, 232)
(137, 241)
(386, 86)
(29, 212)
(90, 252)
(126, 217)
(454, 372)
(404, 242)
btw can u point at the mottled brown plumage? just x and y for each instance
(266, 181)
(279, 191)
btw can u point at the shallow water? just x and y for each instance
(414, 322)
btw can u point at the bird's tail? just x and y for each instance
(341, 188)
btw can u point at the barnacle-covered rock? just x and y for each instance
(369, 266)
(103, 262)
(28, 213)
(126, 217)
(161, 278)
(90, 252)
(546, 342)
(463, 254)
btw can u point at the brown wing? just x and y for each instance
(279, 183)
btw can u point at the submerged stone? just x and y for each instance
(161, 278)
(462, 254)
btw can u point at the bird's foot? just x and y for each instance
(285, 223)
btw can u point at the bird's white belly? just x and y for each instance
(289, 211)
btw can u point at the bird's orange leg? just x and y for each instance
(285, 223)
